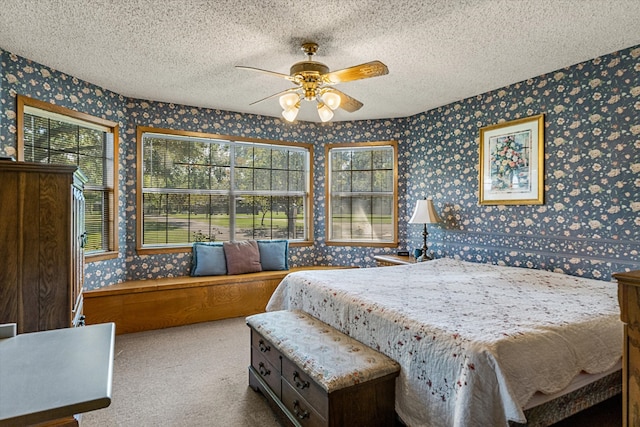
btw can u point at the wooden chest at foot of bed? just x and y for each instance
(318, 376)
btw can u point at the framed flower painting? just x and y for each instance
(512, 162)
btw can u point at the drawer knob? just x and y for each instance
(263, 347)
(300, 413)
(298, 382)
(263, 370)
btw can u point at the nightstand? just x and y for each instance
(389, 260)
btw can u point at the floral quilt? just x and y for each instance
(474, 341)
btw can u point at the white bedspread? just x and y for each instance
(474, 341)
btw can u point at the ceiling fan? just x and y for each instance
(314, 82)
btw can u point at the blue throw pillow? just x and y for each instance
(208, 259)
(274, 254)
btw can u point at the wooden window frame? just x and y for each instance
(354, 242)
(112, 250)
(141, 130)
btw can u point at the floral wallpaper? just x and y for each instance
(588, 226)
(25, 77)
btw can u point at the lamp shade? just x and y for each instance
(424, 213)
(324, 112)
(288, 100)
(290, 114)
(331, 99)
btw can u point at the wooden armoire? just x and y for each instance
(41, 245)
(629, 299)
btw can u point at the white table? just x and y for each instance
(55, 374)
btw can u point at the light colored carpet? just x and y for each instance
(192, 375)
(196, 375)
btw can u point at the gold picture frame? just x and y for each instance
(512, 162)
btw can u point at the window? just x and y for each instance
(202, 187)
(362, 198)
(48, 133)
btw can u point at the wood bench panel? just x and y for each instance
(140, 305)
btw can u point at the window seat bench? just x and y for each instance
(140, 305)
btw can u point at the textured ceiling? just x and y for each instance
(437, 51)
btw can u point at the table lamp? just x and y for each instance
(424, 213)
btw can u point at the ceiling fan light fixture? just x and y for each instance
(289, 100)
(291, 113)
(331, 99)
(324, 112)
(310, 78)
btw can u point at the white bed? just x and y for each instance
(475, 341)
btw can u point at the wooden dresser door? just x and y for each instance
(629, 299)
(40, 274)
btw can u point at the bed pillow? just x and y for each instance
(242, 257)
(208, 259)
(274, 254)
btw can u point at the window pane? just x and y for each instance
(95, 210)
(341, 181)
(293, 210)
(36, 139)
(361, 181)
(177, 163)
(297, 181)
(383, 159)
(204, 224)
(340, 160)
(262, 179)
(382, 222)
(178, 176)
(91, 142)
(154, 170)
(166, 221)
(243, 156)
(261, 157)
(63, 136)
(297, 160)
(219, 217)
(279, 159)
(354, 216)
(220, 154)
(247, 219)
(279, 180)
(362, 160)
(155, 224)
(220, 178)
(63, 158)
(267, 217)
(244, 178)
(340, 218)
(360, 218)
(199, 177)
(200, 153)
(382, 180)
(93, 168)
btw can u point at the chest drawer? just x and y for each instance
(305, 387)
(300, 408)
(264, 347)
(269, 373)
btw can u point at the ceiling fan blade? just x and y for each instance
(273, 73)
(292, 89)
(362, 71)
(348, 103)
